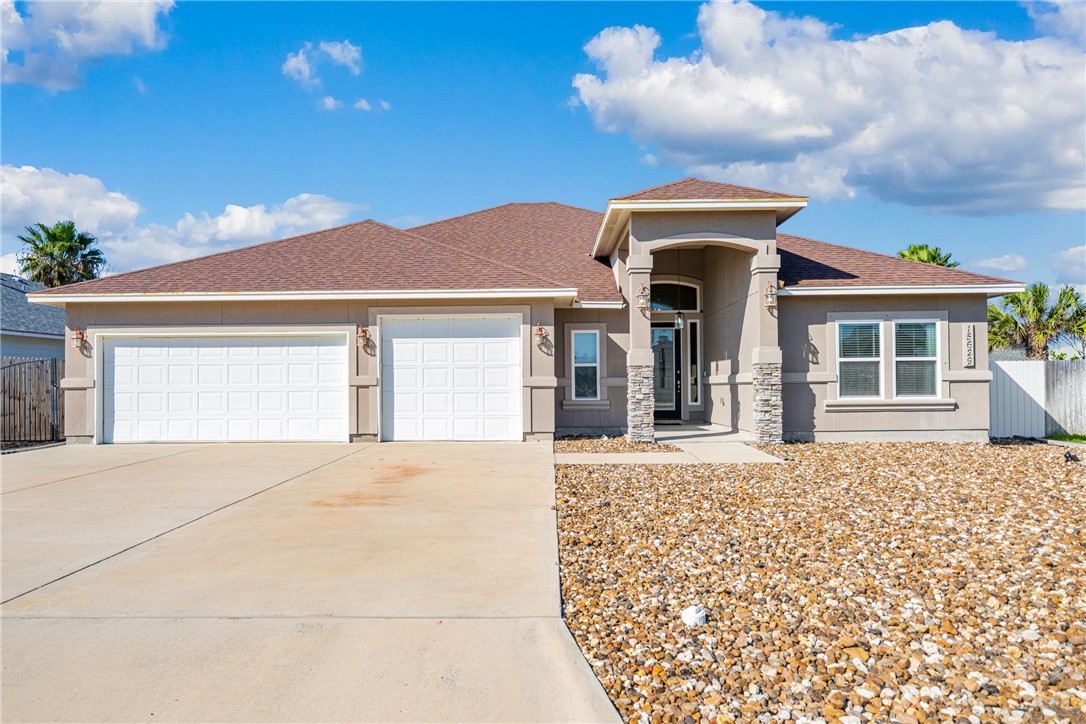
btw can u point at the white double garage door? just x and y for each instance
(448, 378)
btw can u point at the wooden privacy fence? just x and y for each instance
(31, 401)
(1035, 398)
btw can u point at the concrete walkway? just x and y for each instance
(700, 444)
(396, 582)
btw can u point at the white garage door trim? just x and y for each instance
(334, 428)
(490, 375)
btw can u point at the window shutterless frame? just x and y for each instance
(933, 359)
(842, 326)
(594, 364)
(693, 364)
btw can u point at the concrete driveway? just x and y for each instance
(394, 582)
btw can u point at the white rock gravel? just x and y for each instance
(874, 582)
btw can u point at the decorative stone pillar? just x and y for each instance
(640, 391)
(768, 402)
(640, 403)
(768, 394)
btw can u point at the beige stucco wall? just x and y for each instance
(318, 316)
(808, 345)
(609, 412)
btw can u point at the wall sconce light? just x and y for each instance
(363, 336)
(539, 335)
(680, 320)
(769, 296)
(79, 338)
(643, 295)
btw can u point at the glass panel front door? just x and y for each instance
(665, 354)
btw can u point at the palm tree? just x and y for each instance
(927, 254)
(60, 255)
(1025, 319)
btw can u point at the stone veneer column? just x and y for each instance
(768, 402)
(640, 403)
(640, 391)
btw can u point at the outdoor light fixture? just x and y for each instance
(643, 298)
(78, 338)
(680, 320)
(769, 296)
(363, 335)
(540, 335)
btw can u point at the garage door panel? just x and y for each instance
(435, 378)
(181, 401)
(225, 388)
(151, 402)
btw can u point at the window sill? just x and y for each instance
(586, 404)
(927, 404)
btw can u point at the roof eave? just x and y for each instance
(618, 210)
(989, 290)
(59, 300)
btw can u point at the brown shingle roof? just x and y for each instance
(548, 238)
(695, 189)
(809, 263)
(365, 256)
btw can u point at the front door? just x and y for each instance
(666, 346)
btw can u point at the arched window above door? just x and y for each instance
(674, 297)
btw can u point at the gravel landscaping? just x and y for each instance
(867, 582)
(619, 444)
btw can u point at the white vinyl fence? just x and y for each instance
(1033, 398)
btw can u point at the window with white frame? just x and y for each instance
(916, 359)
(586, 365)
(859, 359)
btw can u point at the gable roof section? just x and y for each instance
(810, 264)
(364, 256)
(20, 316)
(547, 238)
(695, 189)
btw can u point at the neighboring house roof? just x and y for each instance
(549, 238)
(18, 316)
(365, 256)
(694, 189)
(809, 263)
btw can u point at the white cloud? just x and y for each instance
(30, 195)
(45, 43)
(302, 65)
(328, 103)
(343, 53)
(297, 67)
(1007, 262)
(363, 105)
(140, 86)
(935, 117)
(386, 106)
(1066, 19)
(9, 264)
(1070, 265)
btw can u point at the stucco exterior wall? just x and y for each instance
(812, 410)
(607, 414)
(248, 318)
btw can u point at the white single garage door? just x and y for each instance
(451, 378)
(196, 389)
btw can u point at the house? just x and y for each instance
(678, 303)
(28, 330)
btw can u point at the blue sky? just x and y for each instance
(177, 130)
